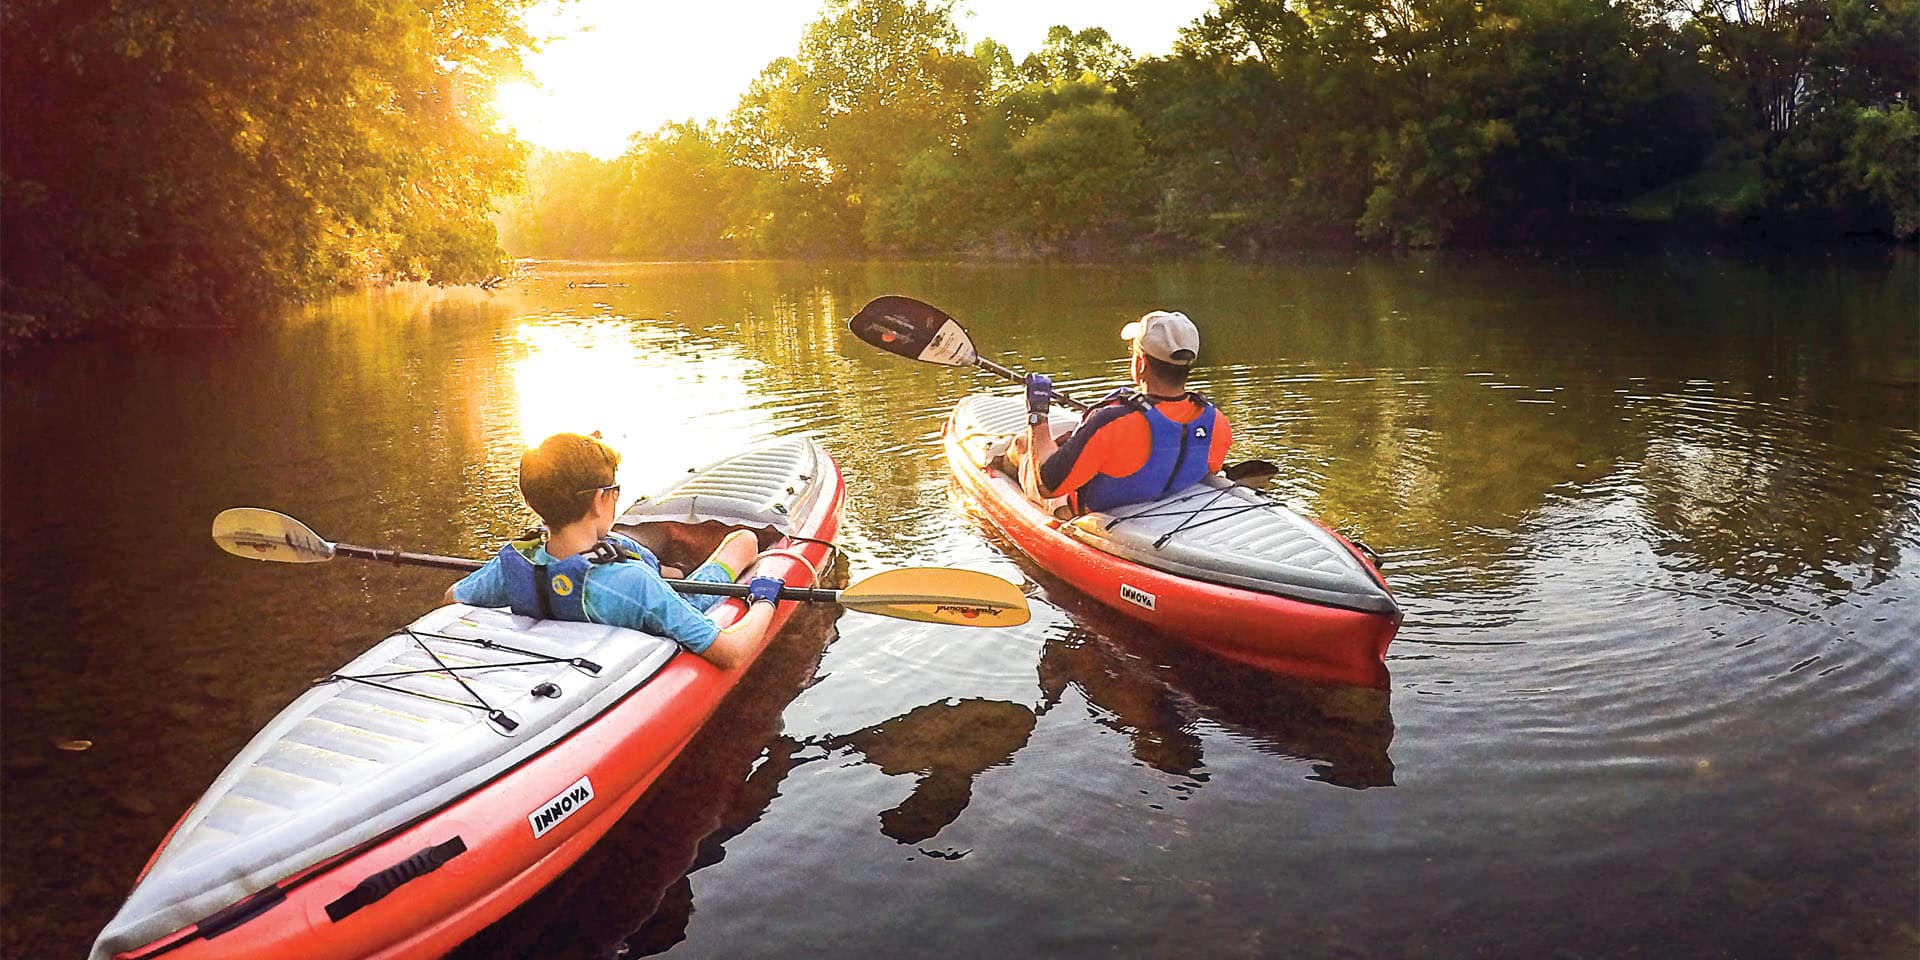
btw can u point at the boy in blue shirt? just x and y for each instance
(583, 571)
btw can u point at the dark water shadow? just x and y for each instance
(948, 745)
(1159, 698)
(1157, 690)
(1159, 695)
(630, 895)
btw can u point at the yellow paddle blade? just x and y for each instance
(265, 535)
(964, 598)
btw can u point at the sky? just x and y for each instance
(617, 67)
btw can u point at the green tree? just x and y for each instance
(942, 202)
(670, 204)
(780, 195)
(1049, 167)
(1067, 55)
(175, 159)
(568, 208)
(880, 81)
(822, 138)
(1765, 47)
(998, 72)
(1827, 88)
(1079, 173)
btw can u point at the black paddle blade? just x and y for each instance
(1257, 474)
(915, 330)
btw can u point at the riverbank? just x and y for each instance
(1602, 237)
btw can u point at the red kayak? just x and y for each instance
(446, 775)
(1216, 565)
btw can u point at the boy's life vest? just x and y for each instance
(1177, 460)
(557, 591)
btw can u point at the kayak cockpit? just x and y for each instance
(760, 490)
(1214, 531)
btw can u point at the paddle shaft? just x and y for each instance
(1000, 371)
(1259, 466)
(462, 563)
(916, 330)
(1251, 466)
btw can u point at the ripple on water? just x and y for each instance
(1654, 531)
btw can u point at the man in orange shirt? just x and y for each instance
(1138, 444)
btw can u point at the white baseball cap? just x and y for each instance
(1165, 335)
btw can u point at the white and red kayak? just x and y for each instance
(1215, 565)
(441, 778)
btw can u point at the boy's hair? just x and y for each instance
(559, 477)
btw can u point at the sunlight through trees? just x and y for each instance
(179, 161)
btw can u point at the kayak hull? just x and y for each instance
(1281, 634)
(519, 831)
(625, 751)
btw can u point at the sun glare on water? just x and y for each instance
(663, 407)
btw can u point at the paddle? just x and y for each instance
(922, 331)
(965, 598)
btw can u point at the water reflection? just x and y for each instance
(1654, 523)
(945, 746)
(1160, 705)
(630, 894)
(1161, 698)
(1410, 405)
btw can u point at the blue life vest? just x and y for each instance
(1178, 460)
(558, 591)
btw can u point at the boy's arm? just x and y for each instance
(734, 645)
(628, 595)
(643, 601)
(485, 587)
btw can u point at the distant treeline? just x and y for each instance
(200, 161)
(205, 160)
(1275, 123)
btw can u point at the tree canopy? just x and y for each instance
(173, 159)
(177, 159)
(1284, 122)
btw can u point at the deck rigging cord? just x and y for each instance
(442, 668)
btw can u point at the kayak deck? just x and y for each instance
(445, 775)
(1215, 531)
(1216, 565)
(431, 712)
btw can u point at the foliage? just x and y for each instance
(552, 217)
(176, 159)
(1829, 88)
(1280, 122)
(1079, 171)
(876, 81)
(1848, 169)
(1880, 163)
(1067, 55)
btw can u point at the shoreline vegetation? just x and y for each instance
(163, 162)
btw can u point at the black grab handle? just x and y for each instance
(373, 888)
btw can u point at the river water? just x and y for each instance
(1655, 522)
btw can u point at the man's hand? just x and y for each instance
(764, 588)
(1039, 397)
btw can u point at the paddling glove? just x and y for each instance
(1039, 397)
(764, 588)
